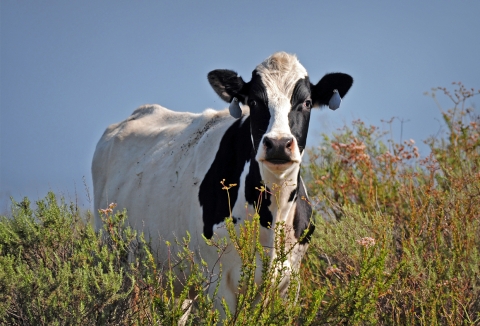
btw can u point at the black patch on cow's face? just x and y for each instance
(234, 152)
(303, 218)
(259, 112)
(299, 116)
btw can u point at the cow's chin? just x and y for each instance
(279, 168)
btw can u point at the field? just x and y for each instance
(397, 242)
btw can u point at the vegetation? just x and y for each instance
(400, 244)
(397, 242)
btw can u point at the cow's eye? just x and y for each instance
(307, 104)
(252, 103)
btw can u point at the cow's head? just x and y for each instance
(280, 97)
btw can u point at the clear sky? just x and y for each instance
(71, 68)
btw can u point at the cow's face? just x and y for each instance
(280, 97)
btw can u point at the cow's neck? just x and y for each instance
(277, 199)
(282, 190)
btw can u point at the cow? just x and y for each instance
(165, 167)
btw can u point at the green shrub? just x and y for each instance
(56, 270)
(423, 214)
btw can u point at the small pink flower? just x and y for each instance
(332, 270)
(366, 242)
(108, 210)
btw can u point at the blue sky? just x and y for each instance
(70, 68)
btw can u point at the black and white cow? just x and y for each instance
(165, 167)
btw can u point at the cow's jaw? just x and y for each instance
(278, 174)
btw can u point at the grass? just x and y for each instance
(397, 242)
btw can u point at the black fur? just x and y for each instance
(292, 194)
(303, 219)
(234, 152)
(252, 195)
(227, 84)
(322, 92)
(259, 112)
(299, 116)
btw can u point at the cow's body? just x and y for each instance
(165, 167)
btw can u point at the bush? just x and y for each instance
(55, 270)
(401, 241)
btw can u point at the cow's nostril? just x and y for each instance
(289, 143)
(268, 143)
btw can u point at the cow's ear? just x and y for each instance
(324, 90)
(228, 84)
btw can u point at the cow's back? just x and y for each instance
(152, 164)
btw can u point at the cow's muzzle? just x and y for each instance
(278, 151)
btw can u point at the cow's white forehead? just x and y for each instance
(280, 72)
